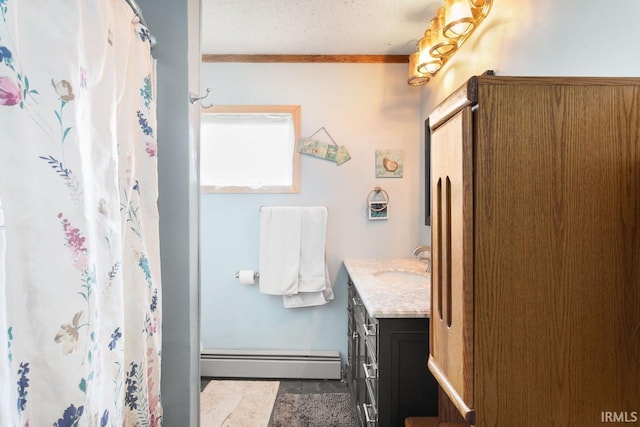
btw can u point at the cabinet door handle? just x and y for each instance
(367, 418)
(448, 240)
(368, 374)
(440, 245)
(369, 330)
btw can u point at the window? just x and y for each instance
(250, 149)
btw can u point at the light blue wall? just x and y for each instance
(238, 316)
(365, 107)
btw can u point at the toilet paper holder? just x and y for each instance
(255, 275)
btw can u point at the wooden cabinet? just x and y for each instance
(386, 371)
(535, 190)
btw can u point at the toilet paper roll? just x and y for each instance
(246, 277)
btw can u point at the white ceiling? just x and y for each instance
(314, 27)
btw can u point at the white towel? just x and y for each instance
(292, 255)
(280, 230)
(311, 275)
(308, 299)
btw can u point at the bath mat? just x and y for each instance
(237, 403)
(313, 410)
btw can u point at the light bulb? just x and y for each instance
(442, 46)
(426, 62)
(458, 19)
(416, 78)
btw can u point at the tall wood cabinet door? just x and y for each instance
(451, 350)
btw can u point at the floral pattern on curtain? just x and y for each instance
(80, 295)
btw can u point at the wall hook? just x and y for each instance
(193, 98)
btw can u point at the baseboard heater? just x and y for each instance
(270, 364)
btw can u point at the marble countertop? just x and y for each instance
(384, 298)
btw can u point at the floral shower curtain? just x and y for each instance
(80, 295)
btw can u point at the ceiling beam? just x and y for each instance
(308, 58)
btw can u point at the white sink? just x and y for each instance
(402, 276)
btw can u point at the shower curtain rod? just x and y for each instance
(138, 12)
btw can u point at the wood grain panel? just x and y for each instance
(387, 59)
(452, 260)
(551, 81)
(557, 250)
(421, 422)
(447, 411)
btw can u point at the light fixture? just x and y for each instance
(447, 32)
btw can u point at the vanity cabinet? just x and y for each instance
(536, 250)
(386, 367)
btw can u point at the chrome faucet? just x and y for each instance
(417, 252)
